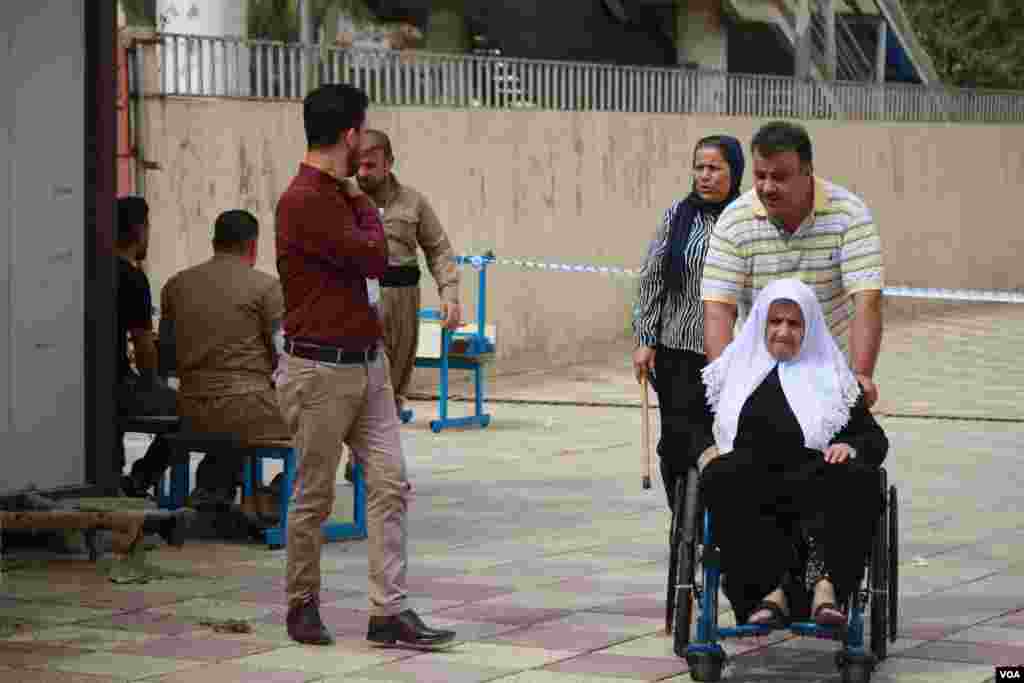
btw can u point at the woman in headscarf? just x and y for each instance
(668, 319)
(795, 440)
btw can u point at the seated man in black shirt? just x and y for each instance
(139, 391)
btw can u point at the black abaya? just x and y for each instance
(758, 492)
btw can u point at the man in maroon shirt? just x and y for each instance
(334, 384)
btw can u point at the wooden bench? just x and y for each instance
(184, 444)
(30, 511)
(148, 424)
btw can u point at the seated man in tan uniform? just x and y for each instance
(219, 320)
(410, 224)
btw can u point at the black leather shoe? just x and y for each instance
(408, 629)
(210, 500)
(134, 486)
(305, 626)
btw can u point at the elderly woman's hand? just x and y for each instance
(839, 453)
(870, 389)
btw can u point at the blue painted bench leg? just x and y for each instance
(277, 536)
(334, 531)
(360, 503)
(442, 421)
(483, 418)
(163, 494)
(248, 487)
(173, 496)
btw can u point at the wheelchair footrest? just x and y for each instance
(810, 629)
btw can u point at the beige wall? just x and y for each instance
(585, 187)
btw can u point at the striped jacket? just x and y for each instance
(672, 318)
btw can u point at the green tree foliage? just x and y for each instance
(974, 43)
(279, 19)
(447, 30)
(140, 12)
(273, 20)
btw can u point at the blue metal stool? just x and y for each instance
(277, 536)
(474, 346)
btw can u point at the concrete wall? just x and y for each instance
(586, 187)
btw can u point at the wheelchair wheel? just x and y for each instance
(856, 673)
(706, 666)
(673, 556)
(854, 668)
(686, 555)
(894, 563)
(878, 575)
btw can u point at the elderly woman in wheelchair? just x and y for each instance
(793, 460)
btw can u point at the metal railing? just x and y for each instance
(233, 67)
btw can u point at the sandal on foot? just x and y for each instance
(778, 618)
(828, 614)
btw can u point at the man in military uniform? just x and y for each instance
(410, 224)
(218, 325)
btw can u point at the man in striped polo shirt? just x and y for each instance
(796, 225)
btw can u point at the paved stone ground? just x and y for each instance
(534, 540)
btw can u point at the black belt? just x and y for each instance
(329, 354)
(401, 276)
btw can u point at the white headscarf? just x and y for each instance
(818, 382)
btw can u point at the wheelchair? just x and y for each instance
(695, 577)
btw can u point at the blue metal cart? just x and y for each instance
(462, 351)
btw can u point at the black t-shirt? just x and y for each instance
(134, 310)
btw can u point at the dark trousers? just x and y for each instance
(219, 471)
(134, 398)
(759, 503)
(685, 416)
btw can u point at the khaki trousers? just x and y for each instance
(326, 405)
(400, 309)
(252, 417)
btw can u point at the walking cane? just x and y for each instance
(646, 432)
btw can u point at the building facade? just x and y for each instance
(57, 285)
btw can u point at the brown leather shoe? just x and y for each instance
(305, 626)
(407, 628)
